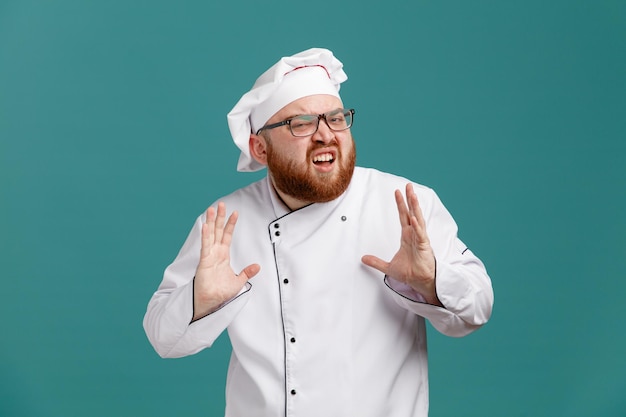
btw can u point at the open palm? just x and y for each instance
(414, 263)
(216, 282)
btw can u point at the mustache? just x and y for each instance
(332, 144)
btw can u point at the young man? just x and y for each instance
(325, 283)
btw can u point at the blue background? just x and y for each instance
(113, 138)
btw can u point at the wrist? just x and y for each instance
(203, 305)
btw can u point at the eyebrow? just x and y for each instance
(311, 114)
(295, 115)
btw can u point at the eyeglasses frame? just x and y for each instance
(319, 117)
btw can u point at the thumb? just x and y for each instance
(376, 263)
(250, 271)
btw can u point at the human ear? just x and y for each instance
(258, 148)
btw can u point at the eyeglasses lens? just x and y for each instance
(306, 125)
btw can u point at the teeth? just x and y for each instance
(325, 157)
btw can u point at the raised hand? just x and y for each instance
(414, 263)
(215, 281)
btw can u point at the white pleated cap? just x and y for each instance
(311, 72)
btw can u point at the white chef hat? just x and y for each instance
(314, 71)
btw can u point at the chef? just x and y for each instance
(322, 273)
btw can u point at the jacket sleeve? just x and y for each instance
(462, 283)
(167, 321)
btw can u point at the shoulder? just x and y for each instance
(256, 191)
(374, 180)
(251, 199)
(376, 189)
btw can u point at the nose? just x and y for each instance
(323, 133)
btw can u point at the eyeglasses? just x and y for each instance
(307, 124)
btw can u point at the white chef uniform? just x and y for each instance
(316, 332)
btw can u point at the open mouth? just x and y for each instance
(326, 158)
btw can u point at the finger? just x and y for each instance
(414, 206)
(420, 231)
(219, 221)
(204, 242)
(403, 211)
(210, 215)
(208, 232)
(230, 227)
(250, 271)
(411, 199)
(376, 263)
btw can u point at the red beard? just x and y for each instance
(302, 182)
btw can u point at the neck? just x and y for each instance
(292, 203)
